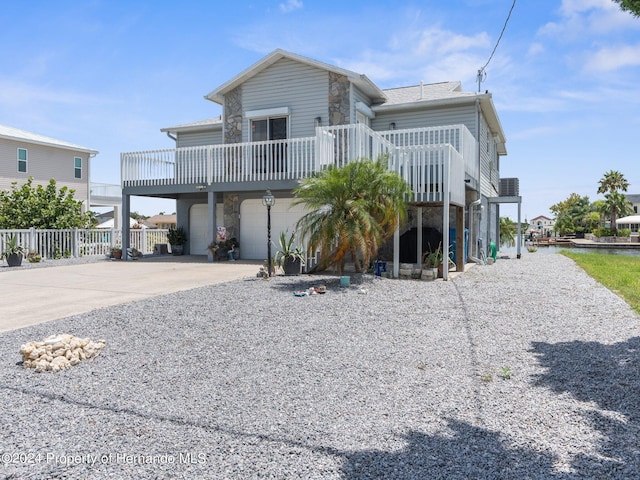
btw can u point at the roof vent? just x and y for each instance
(509, 187)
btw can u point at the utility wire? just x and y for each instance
(481, 73)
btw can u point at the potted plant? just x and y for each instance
(289, 257)
(177, 238)
(13, 252)
(116, 252)
(430, 261)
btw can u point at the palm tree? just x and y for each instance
(352, 210)
(508, 229)
(610, 183)
(619, 206)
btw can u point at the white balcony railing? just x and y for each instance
(433, 160)
(458, 136)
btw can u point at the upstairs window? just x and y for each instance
(77, 165)
(22, 160)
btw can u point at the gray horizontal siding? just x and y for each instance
(465, 115)
(43, 164)
(358, 96)
(302, 88)
(197, 139)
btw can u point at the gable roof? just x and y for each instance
(541, 217)
(423, 92)
(361, 81)
(444, 94)
(11, 133)
(208, 124)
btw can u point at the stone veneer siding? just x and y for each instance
(231, 210)
(339, 99)
(233, 116)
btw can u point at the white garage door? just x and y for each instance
(198, 227)
(253, 226)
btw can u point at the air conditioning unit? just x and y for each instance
(509, 187)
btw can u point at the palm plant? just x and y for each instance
(508, 229)
(352, 210)
(610, 183)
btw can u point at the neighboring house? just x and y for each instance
(288, 116)
(25, 154)
(541, 225)
(162, 221)
(635, 200)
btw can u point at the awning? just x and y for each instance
(629, 219)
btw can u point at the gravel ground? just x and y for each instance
(526, 369)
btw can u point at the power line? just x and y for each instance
(481, 73)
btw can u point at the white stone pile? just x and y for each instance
(58, 352)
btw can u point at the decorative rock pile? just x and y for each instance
(59, 352)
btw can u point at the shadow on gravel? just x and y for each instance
(606, 375)
(471, 452)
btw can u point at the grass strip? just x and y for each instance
(619, 273)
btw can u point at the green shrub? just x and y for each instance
(623, 232)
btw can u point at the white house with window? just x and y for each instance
(288, 116)
(24, 154)
(541, 226)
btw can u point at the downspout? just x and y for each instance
(175, 139)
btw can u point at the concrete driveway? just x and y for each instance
(36, 295)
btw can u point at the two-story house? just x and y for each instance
(541, 226)
(288, 116)
(634, 199)
(25, 154)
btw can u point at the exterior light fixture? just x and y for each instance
(201, 187)
(318, 121)
(268, 200)
(392, 126)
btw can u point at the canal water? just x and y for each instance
(511, 251)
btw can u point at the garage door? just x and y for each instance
(253, 226)
(198, 227)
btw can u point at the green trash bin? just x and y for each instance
(493, 251)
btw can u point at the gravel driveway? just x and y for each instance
(523, 369)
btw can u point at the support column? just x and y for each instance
(445, 220)
(396, 250)
(460, 239)
(211, 221)
(519, 241)
(126, 236)
(419, 243)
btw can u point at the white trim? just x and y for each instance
(365, 110)
(267, 112)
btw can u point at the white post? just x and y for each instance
(518, 254)
(419, 246)
(396, 250)
(445, 221)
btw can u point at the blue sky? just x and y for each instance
(109, 74)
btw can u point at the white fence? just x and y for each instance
(54, 244)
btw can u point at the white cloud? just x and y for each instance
(586, 18)
(291, 5)
(432, 54)
(612, 58)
